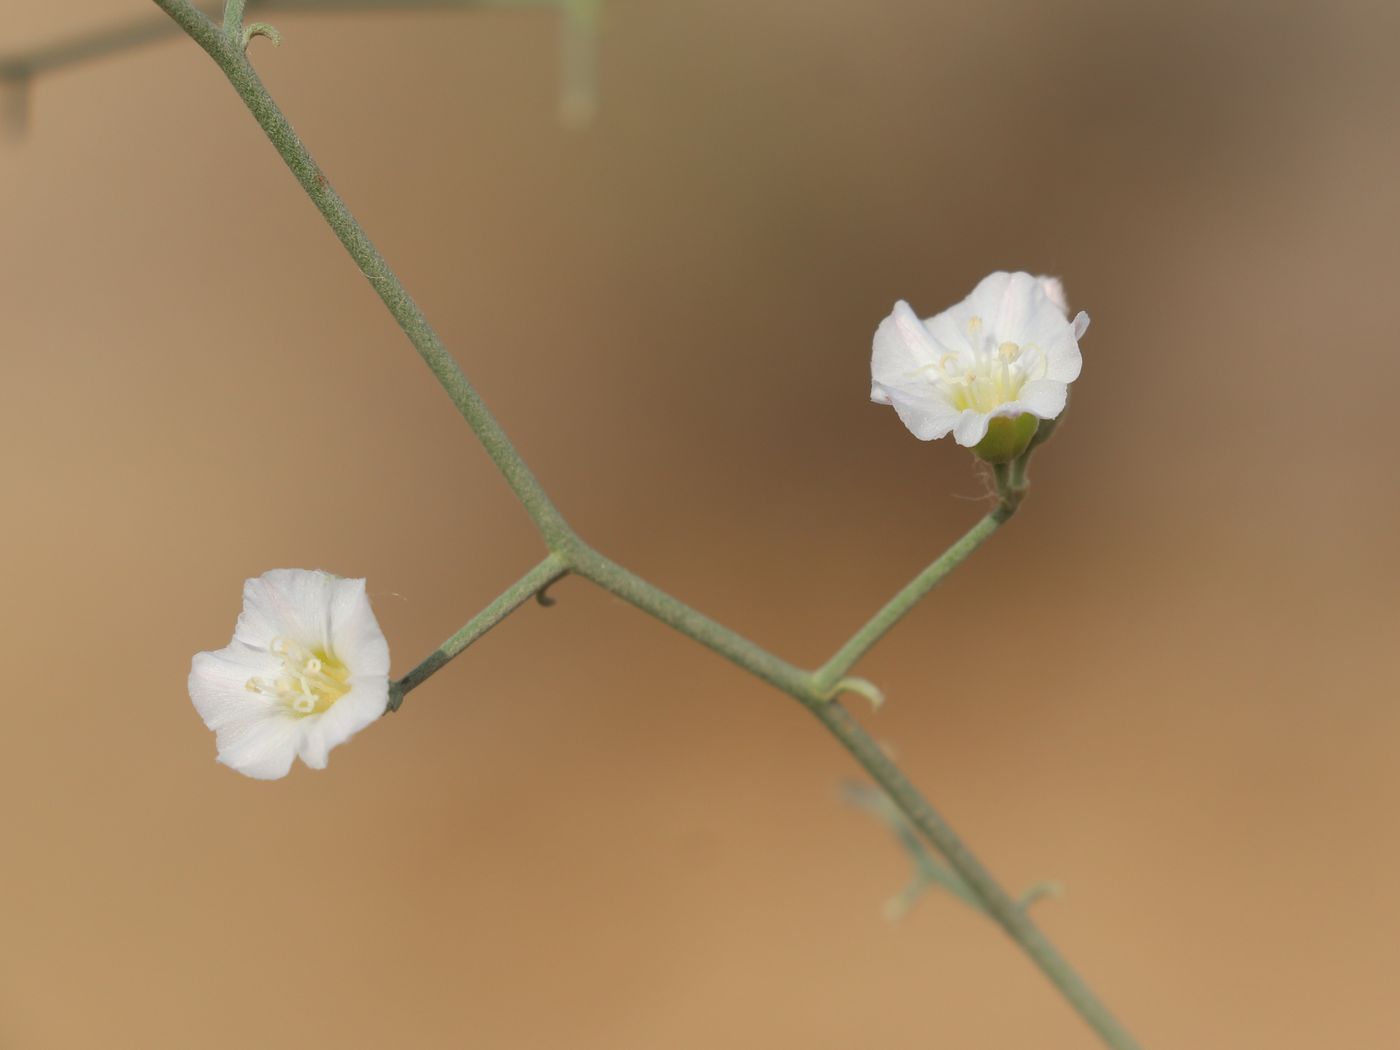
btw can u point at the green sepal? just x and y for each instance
(1006, 438)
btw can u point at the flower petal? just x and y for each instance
(928, 417)
(353, 631)
(218, 684)
(262, 748)
(1006, 302)
(1055, 292)
(1044, 398)
(1024, 296)
(950, 335)
(291, 603)
(971, 428)
(1054, 336)
(312, 745)
(1063, 362)
(902, 351)
(367, 700)
(984, 301)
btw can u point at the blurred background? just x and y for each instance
(1170, 684)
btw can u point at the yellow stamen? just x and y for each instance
(311, 680)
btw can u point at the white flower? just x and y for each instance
(307, 669)
(1006, 351)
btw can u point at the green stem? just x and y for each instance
(897, 607)
(571, 554)
(386, 284)
(233, 21)
(1002, 473)
(986, 892)
(1017, 481)
(630, 587)
(928, 872)
(1010, 915)
(531, 585)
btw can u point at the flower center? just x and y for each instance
(991, 376)
(311, 679)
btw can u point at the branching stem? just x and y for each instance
(571, 554)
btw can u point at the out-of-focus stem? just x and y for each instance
(1008, 913)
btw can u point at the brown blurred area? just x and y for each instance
(1170, 684)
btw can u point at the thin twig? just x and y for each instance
(531, 585)
(914, 592)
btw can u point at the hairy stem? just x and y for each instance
(531, 585)
(895, 609)
(569, 553)
(630, 587)
(233, 20)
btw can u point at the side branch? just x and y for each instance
(532, 584)
(233, 19)
(897, 607)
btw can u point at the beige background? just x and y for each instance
(1171, 684)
